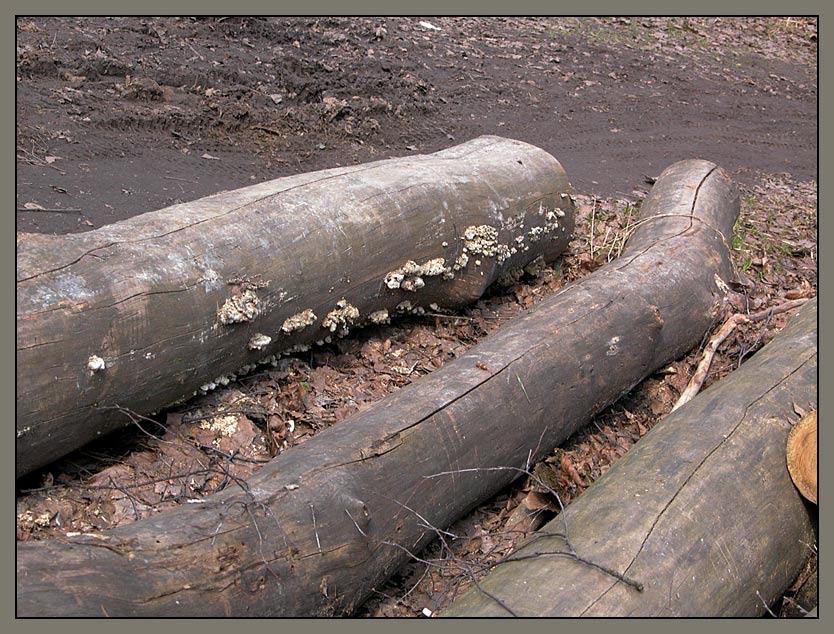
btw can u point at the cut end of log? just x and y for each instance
(802, 456)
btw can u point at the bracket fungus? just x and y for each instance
(239, 308)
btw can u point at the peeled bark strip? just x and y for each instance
(144, 312)
(702, 511)
(325, 522)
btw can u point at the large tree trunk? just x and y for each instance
(144, 312)
(324, 523)
(702, 512)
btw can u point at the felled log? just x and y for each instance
(324, 523)
(701, 513)
(145, 312)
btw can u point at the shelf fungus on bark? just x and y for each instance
(299, 321)
(338, 319)
(239, 308)
(409, 277)
(259, 341)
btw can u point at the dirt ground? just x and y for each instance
(119, 116)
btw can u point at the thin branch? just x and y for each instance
(315, 528)
(752, 346)
(593, 216)
(573, 555)
(54, 210)
(726, 329)
(764, 603)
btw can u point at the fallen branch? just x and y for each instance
(53, 210)
(702, 371)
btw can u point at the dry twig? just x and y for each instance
(701, 372)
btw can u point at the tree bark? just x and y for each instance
(324, 523)
(702, 512)
(142, 313)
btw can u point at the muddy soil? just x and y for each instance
(119, 116)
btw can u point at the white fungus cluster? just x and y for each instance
(379, 317)
(341, 317)
(483, 240)
(95, 363)
(299, 321)
(225, 379)
(226, 424)
(407, 307)
(550, 226)
(259, 341)
(409, 276)
(239, 308)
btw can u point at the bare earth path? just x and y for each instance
(118, 116)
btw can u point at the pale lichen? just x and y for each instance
(515, 222)
(95, 363)
(299, 321)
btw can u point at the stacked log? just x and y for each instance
(317, 529)
(699, 519)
